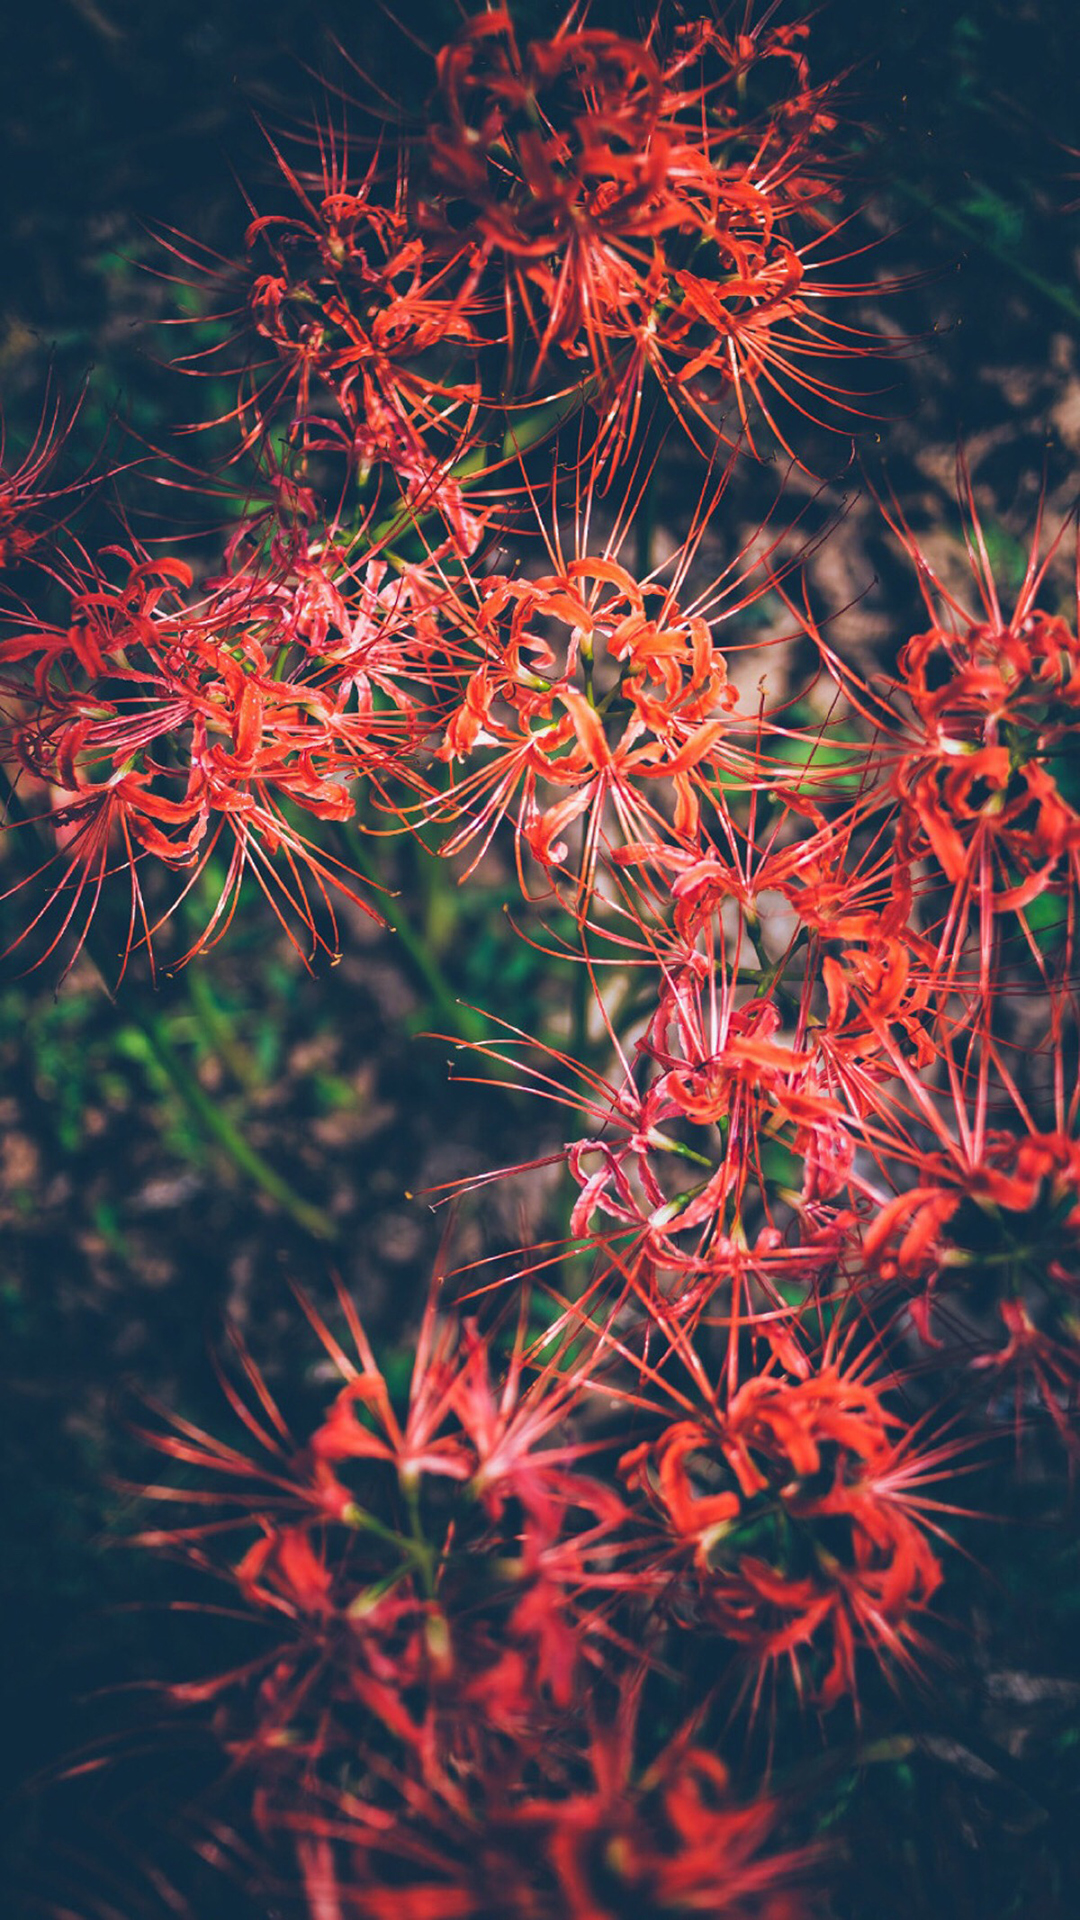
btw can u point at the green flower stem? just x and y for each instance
(215, 1122)
(421, 1549)
(218, 1028)
(459, 1016)
(208, 1115)
(529, 432)
(420, 953)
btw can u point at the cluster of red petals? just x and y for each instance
(795, 1509)
(350, 310)
(631, 210)
(1008, 1214)
(590, 693)
(161, 726)
(440, 1587)
(613, 204)
(151, 724)
(983, 788)
(441, 1576)
(818, 1105)
(596, 1839)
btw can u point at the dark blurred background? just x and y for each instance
(128, 1228)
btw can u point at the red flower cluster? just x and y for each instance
(796, 1518)
(612, 207)
(977, 738)
(617, 188)
(163, 728)
(442, 1588)
(440, 1576)
(603, 1839)
(821, 1172)
(632, 211)
(592, 687)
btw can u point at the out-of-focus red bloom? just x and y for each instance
(441, 1576)
(997, 1225)
(599, 1837)
(1038, 1177)
(1039, 1371)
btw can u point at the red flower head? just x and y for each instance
(167, 728)
(996, 1225)
(636, 215)
(977, 739)
(797, 1525)
(590, 695)
(441, 1575)
(353, 306)
(587, 1833)
(358, 317)
(560, 157)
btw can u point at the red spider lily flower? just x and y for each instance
(604, 1836)
(984, 790)
(719, 1150)
(354, 312)
(637, 217)
(663, 713)
(741, 1086)
(678, 1208)
(162, 726)
(354, 307)
(559, 156)
(720, 1085)
(597, 705)
(976, 738)
(797, 1507)
(417, 1573)
(1000, 1222)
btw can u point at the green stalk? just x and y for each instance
(206, 1113)
(218, 1028)
(215, 1122)
(462, 1018)
(467, 1023)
